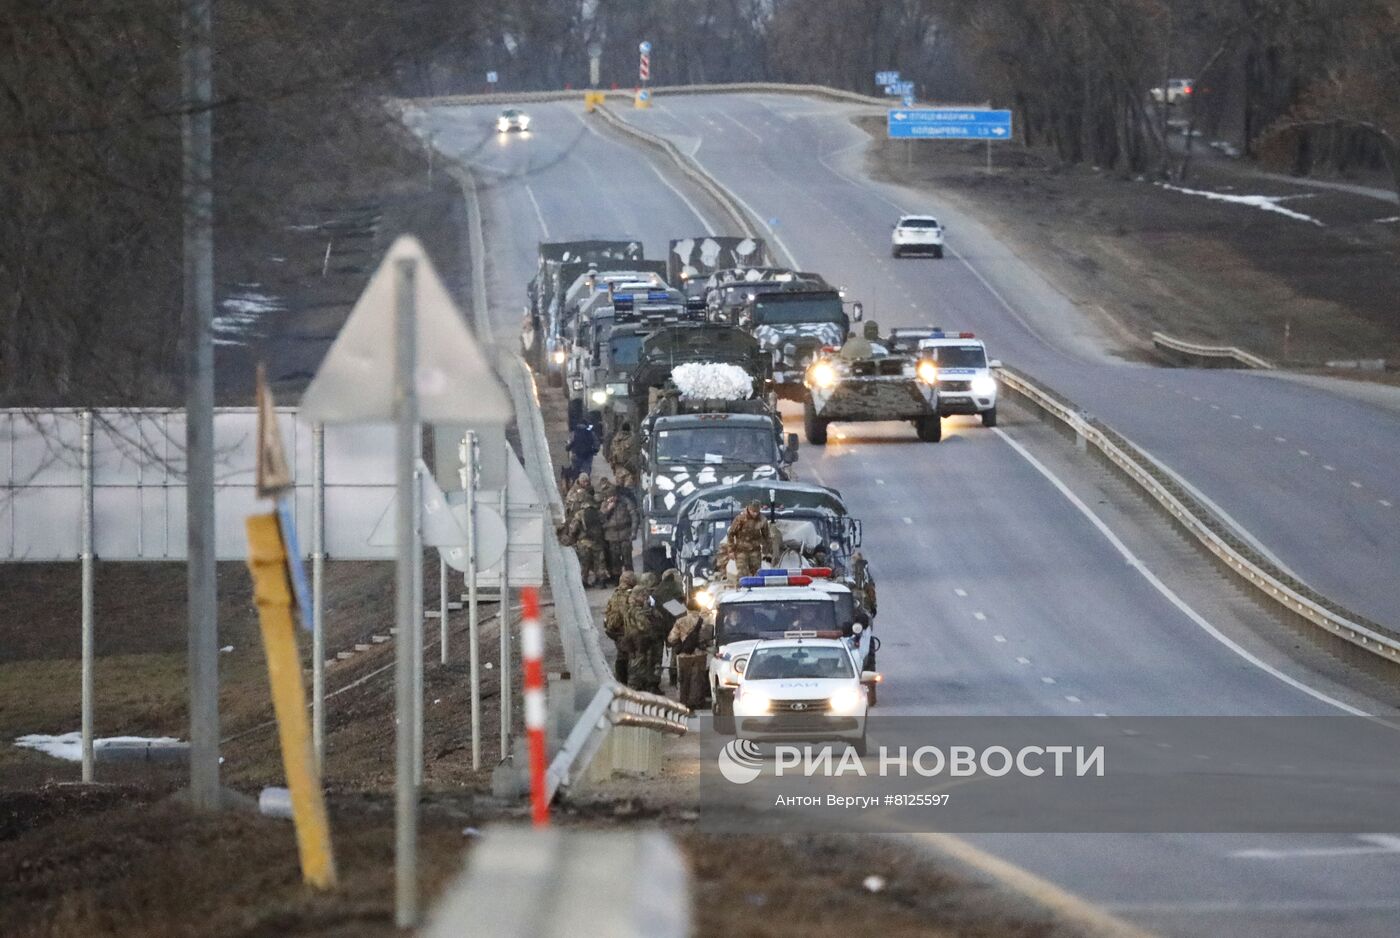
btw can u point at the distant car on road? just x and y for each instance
(918, 233)
(1177, 91)
(512, 119)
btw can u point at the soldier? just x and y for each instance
(864, 582)
(583, 446)
(856, 348)
(670, 591)
(580, 493)
(584, 530)
(623, 451)
(627, 488)
(643, 658)
(615, 622)
(749, 536)
(689, 655)
(619, 524)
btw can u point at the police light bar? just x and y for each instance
(749, 582)
(810, 572)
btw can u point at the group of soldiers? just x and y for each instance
(645, 615)
(600, 523)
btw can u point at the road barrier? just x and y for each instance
(555, 883)
(1211, 355)
(1217, 535)
(750, 87)
(615, 706)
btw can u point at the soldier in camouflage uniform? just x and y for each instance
(579, 493)
(643, 648)
(584, 530)
(619, 524)
(749, 536)
(615, 621)
(624, 450)
(669, 590)
(687, 650)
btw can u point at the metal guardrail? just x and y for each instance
(689, 168)
(752, 87)
(612, 705)
(1209, 352)
(1217, 535)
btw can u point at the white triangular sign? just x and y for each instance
(440, 525)
(355, 383)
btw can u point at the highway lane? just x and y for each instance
(1083, 630)
(1311, 474)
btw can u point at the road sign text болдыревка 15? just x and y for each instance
(949, 124)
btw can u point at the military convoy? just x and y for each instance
(687, 359)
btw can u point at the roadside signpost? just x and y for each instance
(644, 75)
(951, 124)
(886, 78)
(405, 356)
(491, 78)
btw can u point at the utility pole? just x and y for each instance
(196, 126)
(406, 436)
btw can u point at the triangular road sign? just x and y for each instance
(355, 383)
(440, 525)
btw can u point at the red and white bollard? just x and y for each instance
(532, 657)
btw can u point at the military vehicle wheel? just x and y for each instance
(723, 711)
(812, 425)
(930, 428)
(989, 417)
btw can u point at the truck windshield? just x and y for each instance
(737, 622)
(960, 356)
(818, 308)
(797, 661)
(625, 350)
(717, 444)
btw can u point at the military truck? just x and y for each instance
(685, 452)
(794, 326)
(886, 385)
(559, 265)
(694, 259)
(681, 342)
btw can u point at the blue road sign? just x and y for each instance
(644, 47)
(908, 100)
(950, 124)
(886, 78)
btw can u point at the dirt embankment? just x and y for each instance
(1204, 269)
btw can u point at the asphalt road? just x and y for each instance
(999, 595)
(1311, 474)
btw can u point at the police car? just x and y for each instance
(964, 378)
(803, 687)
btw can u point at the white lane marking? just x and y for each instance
(704, 222)
(879, 481)
(544, 229)
(1303, 452)
(1377, 843)
(1047, 680)
(1195, 398)
(1257, 427)
(980, 616)
(1355, 484)
(1023, 660)
(1101, 714)
(960, 591)
(741, 125)
(907, 520)
(1166, 591)
(1280, 439)
(1072, 699)
(1236, 417)
(1329, 468)
(1386, 503)
(1214, 406)
(999, 639)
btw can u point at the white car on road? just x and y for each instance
(920, 234)
(512, 118)
(965, 381)
(1178, 90)
(803, 688)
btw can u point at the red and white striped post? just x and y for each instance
(532, 658)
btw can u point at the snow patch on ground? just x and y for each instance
(1388, 221)
(240, 313)
(712, 381)
(69, 746)
(1269, 203)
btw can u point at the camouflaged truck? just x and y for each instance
(885, 385)
(693, 260)
(793, 326)
(686, 452)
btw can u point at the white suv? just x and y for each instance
(802, 687)
(919, 233)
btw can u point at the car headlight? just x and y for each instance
(750, 702)
(823, 375)
(598, 396)
(502, 124)
(984, 385)
(660, 528)
(846, 701)
(703, 599)
(559, 356)
(740, 664)
(524, 123)
(927, 371)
